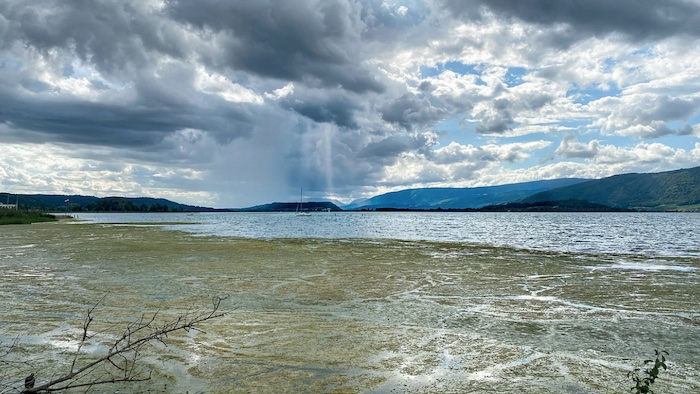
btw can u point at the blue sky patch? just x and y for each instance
(585, 96)
(454, 66)
(514, 76)
(457, 130)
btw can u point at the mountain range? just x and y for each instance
(671, 190)
(458, 198)
(677, 190)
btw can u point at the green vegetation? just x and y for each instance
(665, 191)
(116, 204)
(642, 385)
(11, 216)
(672, 190)
(457, 198)
(76, 203)
(572, 205)
(540, 206)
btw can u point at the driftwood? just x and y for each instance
(120, 363)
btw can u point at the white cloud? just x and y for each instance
(52, 170)
(695, 152)
(282, 92)
(211, 82)
(513, 152)
(645, 115)
(456, 165)
(570, 147)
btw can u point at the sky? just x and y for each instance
(236, 103)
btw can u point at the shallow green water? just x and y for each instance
(349, 316)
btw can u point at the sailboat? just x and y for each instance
(300, 206)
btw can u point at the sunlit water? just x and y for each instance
(649, 234)
(368, 302)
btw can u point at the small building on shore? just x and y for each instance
(8, 206)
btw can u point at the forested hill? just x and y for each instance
(672, 190)
(458, 198)
(77, 203)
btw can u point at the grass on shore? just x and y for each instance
(10, 216)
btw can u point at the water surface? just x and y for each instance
(651, 234)
(412, 311)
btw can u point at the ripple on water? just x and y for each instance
(357, 316)
(649, 266)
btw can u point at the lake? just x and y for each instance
(648, 234)
(368, 302)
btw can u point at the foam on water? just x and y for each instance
(646, 267)
(355, 315)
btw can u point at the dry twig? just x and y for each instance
(120, 362)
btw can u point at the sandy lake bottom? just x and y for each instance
(349, 316)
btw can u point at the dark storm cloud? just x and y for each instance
(124, 42)
(157, 108)
(35, 86)
(113, 36)
(409, 111)
(387, 150)
(638, 19)
(315, 42)
(118, 125)
(65, 122)
(325, 160)
(323, 108)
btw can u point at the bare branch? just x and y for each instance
(122, 355)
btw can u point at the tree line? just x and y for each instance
(122, 205)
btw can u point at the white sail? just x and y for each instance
(300, 206)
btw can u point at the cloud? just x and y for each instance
(643, 157)
(454, 152)
(573, 20)
(53, 170)
(457, 92)
(502, 115)
(409, 111)
(495, 118)
(647, 116)
(155, 109)
(387, 149)
(321, 107)
(570, 148)
(309, 41)
(243, 102)
(455, 165)
(116, 37)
